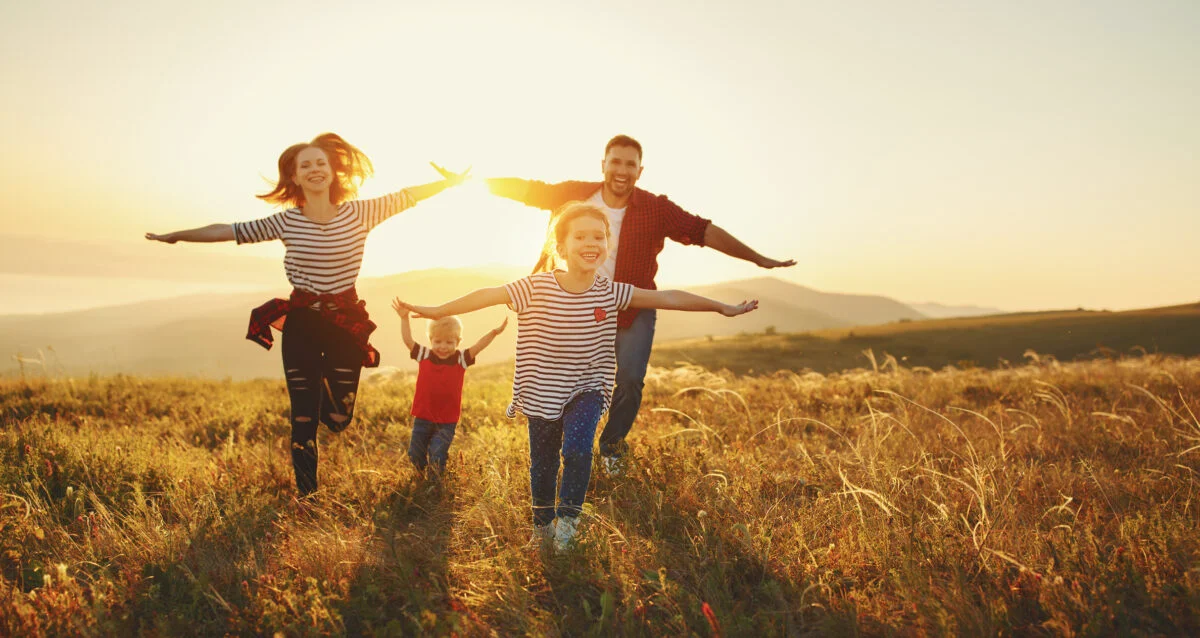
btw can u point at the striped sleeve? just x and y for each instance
(264, 229)
(520, 293)
(419, 352)
(373, 212)
(623, 293)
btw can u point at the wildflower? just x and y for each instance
(712, 619)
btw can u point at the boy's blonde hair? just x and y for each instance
(444, 325)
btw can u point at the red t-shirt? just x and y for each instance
(438, 397)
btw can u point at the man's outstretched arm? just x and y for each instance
(717, 238)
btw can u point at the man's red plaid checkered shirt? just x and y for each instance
(649, 220)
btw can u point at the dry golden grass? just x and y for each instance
(1045, 499)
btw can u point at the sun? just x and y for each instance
(463, 227)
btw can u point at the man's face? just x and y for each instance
(622, 167)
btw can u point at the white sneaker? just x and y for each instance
(612, 466)
(542, 535)
(565, 532)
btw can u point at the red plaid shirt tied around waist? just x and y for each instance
(649, 220)
(344, 310)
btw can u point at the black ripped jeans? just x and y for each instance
(322, 365)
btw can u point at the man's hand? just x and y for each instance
(740, 309)
(767, 262)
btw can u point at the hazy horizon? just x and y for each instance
(1022, 156)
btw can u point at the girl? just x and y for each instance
(566, 358)
(325, 337)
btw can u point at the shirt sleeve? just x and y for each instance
(540, 194)
(372, 212)
(419, 352)
(468, 359)
(264, 229)
(680, 225)
(520, 293)
(623, 293)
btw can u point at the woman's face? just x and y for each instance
(586, 245)
(313, 172)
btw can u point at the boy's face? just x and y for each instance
(443, 342)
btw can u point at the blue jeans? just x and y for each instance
(633, 356)
(572, 435)
(430, 444)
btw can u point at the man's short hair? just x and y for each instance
(623, 140)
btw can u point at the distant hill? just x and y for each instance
(984, 341)
(202, 335)
(942, 311)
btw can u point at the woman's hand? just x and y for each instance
(450, 176)
(740, 309)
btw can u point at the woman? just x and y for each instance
(325, 337)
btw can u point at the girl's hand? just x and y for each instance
(420, 312)
(450, 176)
(169, 238)
(740, 309)
(497, 331)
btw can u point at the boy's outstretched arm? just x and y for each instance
(210, 233)
(486, 340)
(405, 328)
(469, 302)
(680, 300)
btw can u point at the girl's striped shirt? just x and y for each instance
(566, 342)
(324, 258)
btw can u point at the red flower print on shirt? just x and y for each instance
(600, 314)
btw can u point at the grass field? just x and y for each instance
(1050, 499)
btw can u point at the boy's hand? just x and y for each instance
(497, 331)
(421, 312)
(740, 309)
(400, 307)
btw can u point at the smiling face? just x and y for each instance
(584, 246)
(444, 342)
(313, 172)
(622, 167)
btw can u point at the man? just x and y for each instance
(640, 222)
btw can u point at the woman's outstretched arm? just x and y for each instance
(469, 302)
(425, 191)
(210, 233)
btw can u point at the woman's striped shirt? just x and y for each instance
(566, 342)
(324, 258)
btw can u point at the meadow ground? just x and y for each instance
(1050, 499)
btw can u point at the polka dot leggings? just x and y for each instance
(572, 435)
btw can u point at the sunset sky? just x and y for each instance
(1019, 155)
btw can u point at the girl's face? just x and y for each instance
(313, 172)
(586, 246)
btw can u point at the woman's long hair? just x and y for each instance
(350, 167)
(556, 231)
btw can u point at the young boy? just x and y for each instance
(437, 401)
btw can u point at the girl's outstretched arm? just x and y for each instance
(210, 233)
(469, 302)
(680, 300)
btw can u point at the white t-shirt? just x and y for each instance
(566, 342)
(615, 217)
